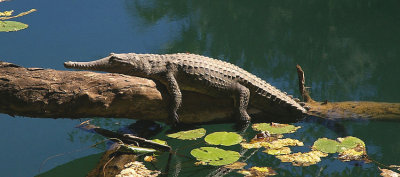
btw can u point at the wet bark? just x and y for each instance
(302, 87)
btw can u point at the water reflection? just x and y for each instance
(348, 50)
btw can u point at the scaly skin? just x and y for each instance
(201, 74)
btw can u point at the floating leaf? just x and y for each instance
(397, 167)
(258, 142)
(351, 148)
(349, 142)
(223, 138)
(388, 173)
(357, 153)
(200, 163)
(135, 149)
(19, 15)
(215, 156)
(258, 171)
(326, 145)
(7, 26)
(236, 165)
(188, 135)
(159, 141)
(275, 128)
(303, 159)
(280, 151)
(6, 13)
(150, 158)
(271, 143)
(279, 143)
(251, 145)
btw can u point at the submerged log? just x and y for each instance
(355, 109)
(112, 163)
(346, 109)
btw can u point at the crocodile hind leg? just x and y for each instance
(242, 96)
(175, 97)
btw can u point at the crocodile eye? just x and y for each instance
(114, 59)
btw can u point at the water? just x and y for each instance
(349, 50)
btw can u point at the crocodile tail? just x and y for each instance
(275, 103)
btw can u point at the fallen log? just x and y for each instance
(47, 93)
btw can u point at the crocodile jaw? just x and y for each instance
(97, 65)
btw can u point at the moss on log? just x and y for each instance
(355, 109)
(347, 109)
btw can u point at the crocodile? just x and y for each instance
(191, 72)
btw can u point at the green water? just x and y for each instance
(350, 50)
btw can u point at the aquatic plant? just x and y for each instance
(8, 26)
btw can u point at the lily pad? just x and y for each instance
(258, 171)
(352, 148)
(279, 143)
(215, 156)
(188, 135)
(7, 26)
(271, 143)
(357, 153)
(349, 148)
(326, 145)
(349, 143)
(303, 159)
(275, 128)
(223, 138)
(252, 145)
(280, 151)
(236, 165)
(258, 142)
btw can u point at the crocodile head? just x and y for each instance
(115, 63)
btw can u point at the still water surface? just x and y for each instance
(350, 50)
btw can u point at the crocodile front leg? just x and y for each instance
(175, 94)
